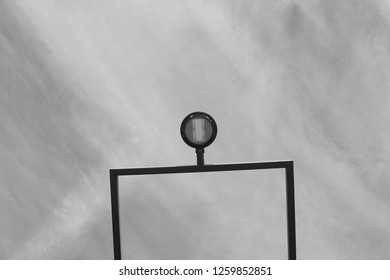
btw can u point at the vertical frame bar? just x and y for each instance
(291, 234)
(115, 215)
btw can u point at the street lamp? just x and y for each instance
(198, 131)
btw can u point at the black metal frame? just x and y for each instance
(290, 200)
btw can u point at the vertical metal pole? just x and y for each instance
(200, 156)
(291, 234)
(115, 215)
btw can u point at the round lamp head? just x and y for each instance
(198, 130)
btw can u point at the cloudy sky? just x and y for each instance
(89, 85)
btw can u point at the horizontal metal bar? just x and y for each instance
(201, 168)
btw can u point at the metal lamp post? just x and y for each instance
(199, 130)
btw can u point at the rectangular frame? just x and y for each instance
(290, 197)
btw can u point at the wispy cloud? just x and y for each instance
(87, 86)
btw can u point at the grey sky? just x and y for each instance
(90, 85)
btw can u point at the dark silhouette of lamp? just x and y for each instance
(198, 131)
